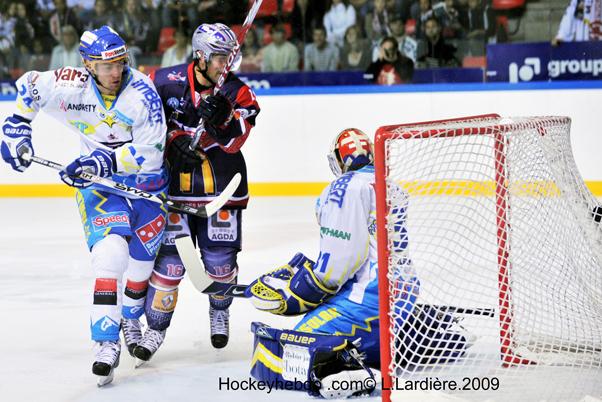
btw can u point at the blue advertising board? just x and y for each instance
(523, 62)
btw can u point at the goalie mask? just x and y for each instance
(210, 39)
(350, 150)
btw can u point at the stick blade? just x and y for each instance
(192, 263)
(223, 198)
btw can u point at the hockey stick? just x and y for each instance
(203, 211)
(231, 57)
(204, 284)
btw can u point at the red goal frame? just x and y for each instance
(491, 125)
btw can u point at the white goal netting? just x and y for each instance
(501, 239)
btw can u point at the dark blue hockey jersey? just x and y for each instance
(199, 184)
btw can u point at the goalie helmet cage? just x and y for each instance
(497, 217)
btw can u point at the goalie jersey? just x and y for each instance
(131, 124)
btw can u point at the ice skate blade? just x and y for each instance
(139, 362)
(104, 380)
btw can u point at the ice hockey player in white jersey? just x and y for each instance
(338, 337)
(120, 121)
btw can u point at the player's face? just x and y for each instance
(110, 74)
(216, 66)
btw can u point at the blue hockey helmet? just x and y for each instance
(210, 39)
(102, 44)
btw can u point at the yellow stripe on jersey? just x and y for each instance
(208, 181)
(185, 182)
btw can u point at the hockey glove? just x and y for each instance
(216, 110)
(289, 290)
(178, 153)
(99, 162)
(16, 142)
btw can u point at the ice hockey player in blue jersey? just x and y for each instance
(338, 336)
(200, 175)
(120, 121)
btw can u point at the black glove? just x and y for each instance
(215, 110)
(178, 153)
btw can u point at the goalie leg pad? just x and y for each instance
(163, 289)
(220, 264)
(297, 360)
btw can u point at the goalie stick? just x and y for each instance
(205, 284)
(202, 211)
(231, 57)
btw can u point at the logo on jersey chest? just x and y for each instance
(77, 107)
(70, 77)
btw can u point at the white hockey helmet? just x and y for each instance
(210, 39)
(350, 150)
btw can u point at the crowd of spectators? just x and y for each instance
(304, 35)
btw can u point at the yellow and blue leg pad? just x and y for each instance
(286, 358)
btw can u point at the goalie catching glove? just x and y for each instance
(291, 289)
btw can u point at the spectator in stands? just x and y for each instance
(101, 15)
(83, 8)
(377, 22)
(251, 53)
(6, 44)
(37, 60)
(434, 52)
(478, 22)
(21, 33)
(450, 21)
(134, 27)
(340, 16)
(407, 44)
(179, 53)
(392, 67)
(307, 14)
(67, 52)
(356, 53)
(280, 55)
(574, 26)
(62, 16)
(178, 12)
(421, 11)
(321, 55)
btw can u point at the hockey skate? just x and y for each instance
(219, 327)
(132, 333)
(105, 360)
(151, 341)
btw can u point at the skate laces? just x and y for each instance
(108, 351)
(152, 339)
(132, 330)
(219, 321)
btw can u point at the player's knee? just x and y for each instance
(220, 263)
(168, 271)
(110, 257)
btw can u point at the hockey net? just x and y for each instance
(499, 233)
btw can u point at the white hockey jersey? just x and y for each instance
(346, 212)
(133, 126)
